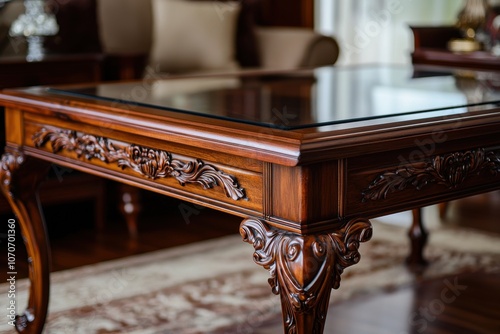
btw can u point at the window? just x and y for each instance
(376, 31)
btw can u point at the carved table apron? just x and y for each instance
(305, 195)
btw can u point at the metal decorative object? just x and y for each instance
(472, 17)
(34, 25)
(470, 20)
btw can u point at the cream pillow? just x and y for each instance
(193, 35)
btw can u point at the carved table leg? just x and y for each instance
(304, 268)
(20, 176)
(418, 239)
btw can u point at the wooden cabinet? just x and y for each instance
(431, 49)
(295, 13)
(53, 69)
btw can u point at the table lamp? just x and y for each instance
(34, 25)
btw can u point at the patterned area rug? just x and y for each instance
(214, 286)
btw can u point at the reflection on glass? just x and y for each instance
(324, 96)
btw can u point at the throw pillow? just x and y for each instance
(193, 35)
(247, 46)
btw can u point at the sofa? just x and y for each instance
(191, 36)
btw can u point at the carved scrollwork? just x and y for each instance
(9, 163)
(450, 170)
(146, 161)
(304, 268)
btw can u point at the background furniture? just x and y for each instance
(127, 29)
(430, 48)
(16, 71)
(431, 45)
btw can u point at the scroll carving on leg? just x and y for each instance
(304, 268)
(19, 177)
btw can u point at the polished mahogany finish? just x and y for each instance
(306, 158)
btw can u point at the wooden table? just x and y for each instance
(305, 158)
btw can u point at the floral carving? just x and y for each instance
(9, 163)
(304, 268)
(450, 170)
(148, 162)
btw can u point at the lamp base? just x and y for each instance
(35, 48)
(464, 45)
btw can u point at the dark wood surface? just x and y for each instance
(474, 60)
(305, 195)
(16, 71)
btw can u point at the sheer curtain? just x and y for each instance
(376, 31)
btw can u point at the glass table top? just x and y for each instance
(324, 96)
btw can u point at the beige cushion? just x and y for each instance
(193, 36)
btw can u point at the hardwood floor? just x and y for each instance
(420, 308)
(462, 304)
